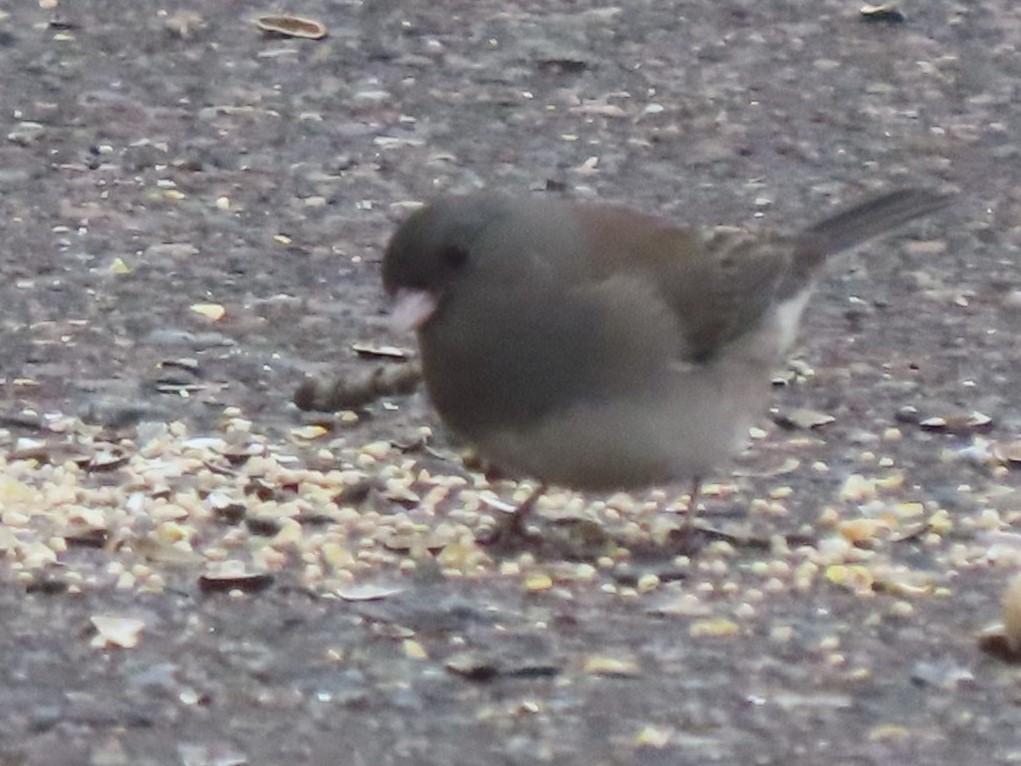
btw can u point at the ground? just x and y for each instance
(193, 212)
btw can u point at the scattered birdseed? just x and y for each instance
(113, 631)
(718, 628)
(234, 512)
(414, 650)
(538, 582)
(655, 737)
(601, 665)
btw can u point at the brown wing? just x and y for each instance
(718, 282)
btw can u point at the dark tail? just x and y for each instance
(864, 221)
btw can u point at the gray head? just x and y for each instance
(439, 245)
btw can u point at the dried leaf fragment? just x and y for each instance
(882, 12)
(803, 419)
(292, 26)
(958, 423)
(107, 460)
(368, 592)
(246, 582)
(371, 351)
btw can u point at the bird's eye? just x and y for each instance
(455, 257)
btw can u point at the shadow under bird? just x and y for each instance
(595, 347)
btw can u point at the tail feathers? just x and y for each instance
(865, 221)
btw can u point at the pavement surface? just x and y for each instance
(193, 571)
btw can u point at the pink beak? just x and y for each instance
(412, 309)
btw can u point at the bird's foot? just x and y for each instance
(512, 532)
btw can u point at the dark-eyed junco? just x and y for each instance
(598, 348)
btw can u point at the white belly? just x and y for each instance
(657, 437)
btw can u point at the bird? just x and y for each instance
(591, 346)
